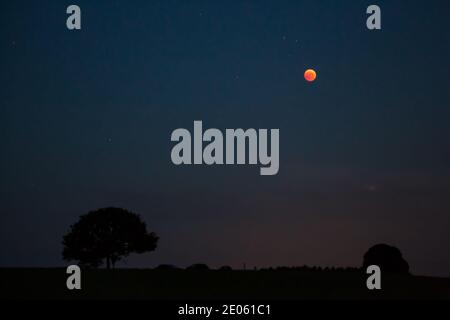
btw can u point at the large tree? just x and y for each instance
(388, 258)
(107, 235)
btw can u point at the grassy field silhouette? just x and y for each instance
(154, 284)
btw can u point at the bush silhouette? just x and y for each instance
(166, 267)
(225, 268)
(107, 235)
(198, 267)
(388, 258)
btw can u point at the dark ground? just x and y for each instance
(215, 285)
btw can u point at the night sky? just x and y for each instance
(86, 118)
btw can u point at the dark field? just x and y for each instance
(215, 285)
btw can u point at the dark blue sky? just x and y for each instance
(86, 118)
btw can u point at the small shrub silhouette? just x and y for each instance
(198, 267)
(166, 267)
(225, 268)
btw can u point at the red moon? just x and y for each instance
(310, 75)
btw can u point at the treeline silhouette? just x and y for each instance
(107, 235)
(205, 267)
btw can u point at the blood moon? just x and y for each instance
(310, 75)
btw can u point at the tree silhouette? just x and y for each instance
(107, 235)
(388, 258)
